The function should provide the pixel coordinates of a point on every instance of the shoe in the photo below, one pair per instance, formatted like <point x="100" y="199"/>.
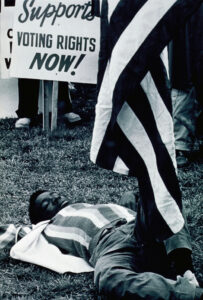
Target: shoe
<point x="72" y="117"/>
<point x="181" y="158"/>
<point x="23" y="123"/>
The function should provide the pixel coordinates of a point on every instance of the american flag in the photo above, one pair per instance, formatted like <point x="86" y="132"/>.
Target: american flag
<point x="133" y="130"/>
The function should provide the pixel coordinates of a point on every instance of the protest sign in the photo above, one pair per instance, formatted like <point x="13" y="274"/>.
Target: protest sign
<point x="7" y="7"/>
<point x="55" y="40"/>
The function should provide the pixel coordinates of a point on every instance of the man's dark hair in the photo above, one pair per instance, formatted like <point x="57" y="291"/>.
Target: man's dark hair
<point x="35" y="215"/>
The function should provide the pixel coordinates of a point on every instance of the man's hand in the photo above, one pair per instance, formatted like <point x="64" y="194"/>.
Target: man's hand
<point x="7" y="239"/>
<point x="191" y="278"/>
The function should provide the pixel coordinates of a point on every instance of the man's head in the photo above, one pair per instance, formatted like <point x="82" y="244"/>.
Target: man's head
<point x="44" y="205"/>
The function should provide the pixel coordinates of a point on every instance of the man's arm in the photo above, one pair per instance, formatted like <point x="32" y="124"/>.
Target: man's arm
<point x="9" y="235"/>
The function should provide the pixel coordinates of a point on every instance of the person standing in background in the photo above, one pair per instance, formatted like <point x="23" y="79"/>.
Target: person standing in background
<point x="27" y="112"/>
<point x="186" y="74"/>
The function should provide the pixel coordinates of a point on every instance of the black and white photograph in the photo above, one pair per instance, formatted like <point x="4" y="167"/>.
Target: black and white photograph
<point x="101" y="149"/>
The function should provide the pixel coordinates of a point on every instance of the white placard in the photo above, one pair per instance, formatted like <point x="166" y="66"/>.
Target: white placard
<point x="7" y="14"/>
<point x="55" y="40"/>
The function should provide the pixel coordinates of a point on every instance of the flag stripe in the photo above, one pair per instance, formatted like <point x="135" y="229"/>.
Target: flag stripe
<point x="123" y="212"/>
<point x="164" y="121"/>
<point x="145" y="19"/>
<point x="159" y="75"/>
<point x="120" y="166"/>
<point x="129" y="9"/>
<point x="68" y="233"/>
<point x="137" y="65"/>
<point x="165" y="203"/>
<point x="157" y="226"/>
<point x="143" y="113"/>
<point x="109" y="146"/>
<point x="97" y="218"/>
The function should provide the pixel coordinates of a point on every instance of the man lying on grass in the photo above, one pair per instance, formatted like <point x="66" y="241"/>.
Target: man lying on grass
<point x="127" y="263"/>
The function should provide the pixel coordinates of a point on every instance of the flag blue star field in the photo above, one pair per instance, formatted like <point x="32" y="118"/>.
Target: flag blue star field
<point x="133" y="129"/>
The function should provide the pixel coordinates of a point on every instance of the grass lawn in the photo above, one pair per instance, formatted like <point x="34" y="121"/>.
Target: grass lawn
<point x="31" y="160"/>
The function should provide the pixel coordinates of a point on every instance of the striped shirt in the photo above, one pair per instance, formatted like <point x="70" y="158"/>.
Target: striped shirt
<point x="73" y="228"/>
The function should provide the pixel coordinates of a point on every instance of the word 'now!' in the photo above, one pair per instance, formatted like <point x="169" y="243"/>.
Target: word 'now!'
<point x="51" y="62"/>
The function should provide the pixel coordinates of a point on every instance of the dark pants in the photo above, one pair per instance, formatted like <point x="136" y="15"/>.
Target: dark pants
<point x="125" y="269"/>
<point x="28" y="90"/>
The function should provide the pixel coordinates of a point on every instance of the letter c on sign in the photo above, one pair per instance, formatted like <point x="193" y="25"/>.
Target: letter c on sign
<point x="10" y="33"/>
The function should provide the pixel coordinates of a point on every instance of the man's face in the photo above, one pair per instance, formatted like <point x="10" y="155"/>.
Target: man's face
<point x="49" y="204"/>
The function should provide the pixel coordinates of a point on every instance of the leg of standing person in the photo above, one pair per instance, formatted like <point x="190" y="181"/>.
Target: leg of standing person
<point x="65" y="104"/>
<point x="184" y="116"/>
<point x="28" y="90"/>
<point x="199" y="95"/>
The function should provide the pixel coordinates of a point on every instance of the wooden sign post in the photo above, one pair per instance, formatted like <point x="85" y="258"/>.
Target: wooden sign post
<point x="54" y="104"/>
